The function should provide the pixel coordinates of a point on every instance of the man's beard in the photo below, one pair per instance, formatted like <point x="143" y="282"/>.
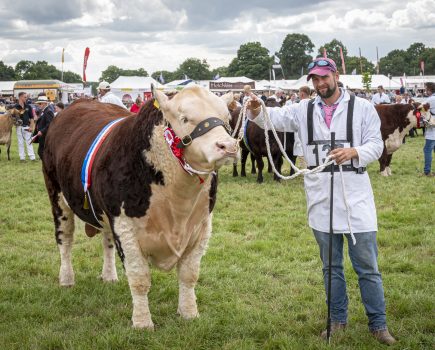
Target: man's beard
<point x="328" y="92"/>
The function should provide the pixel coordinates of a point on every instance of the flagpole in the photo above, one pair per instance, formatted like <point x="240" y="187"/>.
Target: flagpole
<point x="63" y="59"/>
<point x="377" y="60"/>
<point x="360" y="61"/>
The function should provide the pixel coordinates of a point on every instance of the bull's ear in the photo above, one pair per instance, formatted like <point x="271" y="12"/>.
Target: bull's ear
<point x="228" y="98"/>
<point x="160" y="97"/>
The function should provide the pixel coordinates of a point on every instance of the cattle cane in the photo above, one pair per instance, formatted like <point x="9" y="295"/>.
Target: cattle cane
<point x="331" y="232"/>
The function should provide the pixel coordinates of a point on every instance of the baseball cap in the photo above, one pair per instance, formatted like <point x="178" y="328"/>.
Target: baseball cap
<point x="321" y="66"/>
<point x="104" y="85"/>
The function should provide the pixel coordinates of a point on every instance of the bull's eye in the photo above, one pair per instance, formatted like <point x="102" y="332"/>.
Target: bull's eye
<point x="184" y="120"/>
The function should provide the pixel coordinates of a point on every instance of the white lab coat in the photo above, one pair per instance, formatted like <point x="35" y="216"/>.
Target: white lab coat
<point x="109" y="97"/>
<point x="378" y="99"/>
<point x="368" y="143"/>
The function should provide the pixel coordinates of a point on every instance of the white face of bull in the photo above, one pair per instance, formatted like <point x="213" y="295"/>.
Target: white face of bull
<point x="185" y="111"/>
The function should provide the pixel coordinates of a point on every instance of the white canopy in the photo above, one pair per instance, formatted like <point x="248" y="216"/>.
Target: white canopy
<point x="128" y="88"/>
<point x="354" y="82"/>
<point x="7" y="87"/>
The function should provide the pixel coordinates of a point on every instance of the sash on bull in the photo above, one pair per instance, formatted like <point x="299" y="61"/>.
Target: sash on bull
<point x="138" y="193"/>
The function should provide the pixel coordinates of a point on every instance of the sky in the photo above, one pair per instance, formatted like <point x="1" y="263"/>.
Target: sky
<point x="161" y="34"/>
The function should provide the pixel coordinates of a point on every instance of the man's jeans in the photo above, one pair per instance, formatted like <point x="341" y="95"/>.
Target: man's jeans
<point x="363" y="256"/>
<point x="429" y="148"/>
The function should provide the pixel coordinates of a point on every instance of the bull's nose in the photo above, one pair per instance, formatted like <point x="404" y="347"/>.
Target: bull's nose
<point x="227" y="146"/>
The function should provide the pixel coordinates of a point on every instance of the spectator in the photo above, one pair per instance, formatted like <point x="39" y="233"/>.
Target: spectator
<point x="380" y="97"/>
<point x="107" y="96"/>
<point x="135" y="107"/>
<point x="429" y="146"/>
<point x="42" y="123"/>
<point x="24" y="132"/>
<point x="59" y="107"/>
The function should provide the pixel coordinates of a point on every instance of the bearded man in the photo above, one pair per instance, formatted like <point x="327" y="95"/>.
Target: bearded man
<point x="358" y="140"/>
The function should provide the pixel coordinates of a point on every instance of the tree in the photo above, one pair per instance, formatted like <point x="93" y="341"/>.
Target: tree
<point x="414" y="55"/>
<point x="42" y="70"/>
<point x="354" y="62"/>
<point x="333" y="51"/>
<point x="112" y="73"/>
<point x="428" y="56"/>
<point x="252" y="61"/>
<point x="167" y="76"/>
<point x="221" y="71"/>
<point x="395" y="63"/>
<point x="367" y="81"/>
<point x="71" y="77"/>
<point x="21" y="68"/>
<point x="294" y="54"/>
<point x="6" y="72"/>
<point x="194" y="69"/>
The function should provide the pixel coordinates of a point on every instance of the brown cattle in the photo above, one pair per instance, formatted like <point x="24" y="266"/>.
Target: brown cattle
<point x="7" y="121"/>
<point x="396" y="121"/>
<point x="140" y="197"/>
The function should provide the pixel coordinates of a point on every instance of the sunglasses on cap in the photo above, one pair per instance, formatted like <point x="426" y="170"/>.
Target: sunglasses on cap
<point x="321" y="63"/>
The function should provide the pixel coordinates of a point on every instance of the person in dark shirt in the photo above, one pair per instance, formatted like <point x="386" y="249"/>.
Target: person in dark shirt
<point x="24" y="132"/>
<point x="42" y="123"/>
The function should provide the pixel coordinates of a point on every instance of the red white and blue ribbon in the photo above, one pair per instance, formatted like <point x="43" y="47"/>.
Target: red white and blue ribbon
<point x="93" y="150"/>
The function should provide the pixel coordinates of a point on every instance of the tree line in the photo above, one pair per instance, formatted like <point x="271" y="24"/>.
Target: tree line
<point x="253" y="61"/>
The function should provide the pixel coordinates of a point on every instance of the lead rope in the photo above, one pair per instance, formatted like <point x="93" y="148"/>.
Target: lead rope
<point x="298" y="171"/>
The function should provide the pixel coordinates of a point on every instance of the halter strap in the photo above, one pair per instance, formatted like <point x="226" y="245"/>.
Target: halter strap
<point x="202" y="128"/>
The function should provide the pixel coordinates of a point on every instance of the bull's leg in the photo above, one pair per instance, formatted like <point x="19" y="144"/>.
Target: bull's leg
<point x="383" y="162"/>
<point x="388" y="169"/>
<point x="235" y="172"/>
<point x="253" y="170"/>
<point x="277" y="161"/>
<point x="109" y="273"/>
<point x="8" y="149"/>
<point x="137" y="271"/>
<point x="188" y="273"/>
<point x="64" y="230"/>
<point x="260" y="164"/>
<point x="269" y="167"/>
<point x="245" y="154"/>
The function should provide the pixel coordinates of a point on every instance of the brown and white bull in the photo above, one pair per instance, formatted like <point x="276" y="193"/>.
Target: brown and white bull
<point x="396" y="121"/>
<point x="146" y="204"/>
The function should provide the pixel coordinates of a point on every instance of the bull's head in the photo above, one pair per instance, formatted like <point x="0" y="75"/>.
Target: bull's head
<point x="15" y="114"/>
<point x="200" y="119"/>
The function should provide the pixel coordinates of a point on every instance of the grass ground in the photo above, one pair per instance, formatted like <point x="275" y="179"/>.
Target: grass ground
<point x="260" y="285"/>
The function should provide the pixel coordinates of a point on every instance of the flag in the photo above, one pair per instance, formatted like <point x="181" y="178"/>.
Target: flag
<point x="273" y="74"/>
<point x="324" y="53"/>
<point x="186" y="77"/>
<point x="217" y="76"/>
<point x="422" y="66"/>
<point x="85" y="62"/>
<point x="63" y="55"/>
<point x="161" y="79"/>
<point x="302" y="71"/>
<point x="377" y="61"/>
<point x="277" y="60"/>
<point x="354" y="71"/>
<point x="342" y="60"/>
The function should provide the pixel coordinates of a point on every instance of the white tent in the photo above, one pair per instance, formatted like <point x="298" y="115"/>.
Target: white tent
<point x="354" y="82"/>
<point x="7" y="87"/>
<point x="128" y="88"/>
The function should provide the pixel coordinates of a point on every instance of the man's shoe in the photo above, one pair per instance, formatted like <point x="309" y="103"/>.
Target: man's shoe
<point x="335" y="327"/>
<point x="384" y="337"/>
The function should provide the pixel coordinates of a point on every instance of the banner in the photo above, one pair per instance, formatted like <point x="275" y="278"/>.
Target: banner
<point x="422" y="66"/>
<point x="277" y="60"/>
<point x="63" y="55"/>
<point x="85" y="62"/>
<point x="324" y="53"/>
<point x="342" y="60"/>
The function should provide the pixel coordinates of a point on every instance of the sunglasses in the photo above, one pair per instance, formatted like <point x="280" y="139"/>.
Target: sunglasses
<point x="321" y="63"/>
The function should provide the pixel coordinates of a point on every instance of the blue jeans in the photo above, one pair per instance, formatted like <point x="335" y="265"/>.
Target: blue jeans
<point x="429" y="148"/>
<point x="363" y="256"/>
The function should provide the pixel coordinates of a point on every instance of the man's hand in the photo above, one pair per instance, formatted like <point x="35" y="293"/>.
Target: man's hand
<point x="341" y="155"/>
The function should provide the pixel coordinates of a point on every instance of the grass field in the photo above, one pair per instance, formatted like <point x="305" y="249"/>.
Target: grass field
<point x="260" y="285"/>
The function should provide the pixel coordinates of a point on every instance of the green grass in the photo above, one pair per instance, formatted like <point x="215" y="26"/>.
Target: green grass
<point x="260" y="285"/>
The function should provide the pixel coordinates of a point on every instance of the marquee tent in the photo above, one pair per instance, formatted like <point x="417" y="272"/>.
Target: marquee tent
<point x="128" y="88"/>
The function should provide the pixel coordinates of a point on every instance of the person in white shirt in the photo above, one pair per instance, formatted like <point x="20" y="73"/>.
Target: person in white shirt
<point x="429" y="146"/>
<point x="359" y="142"/>
<point x="107" y="96"/>
<point x="380" y="97"/>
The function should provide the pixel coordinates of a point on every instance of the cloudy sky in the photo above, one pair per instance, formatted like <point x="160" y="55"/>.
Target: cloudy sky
<point x="161" y="34"/>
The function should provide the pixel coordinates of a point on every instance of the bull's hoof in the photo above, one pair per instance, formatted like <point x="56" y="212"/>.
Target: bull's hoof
<point x="389" y="172"/>
<point x="143" y="324"/>
<point x="384" y="173"/>
<point x="109" y="279"/>
<point x="64" y="284"/>
<point x="66" y="279"/>
<point x="188" y="314"/>
<point x="260" y="180"/>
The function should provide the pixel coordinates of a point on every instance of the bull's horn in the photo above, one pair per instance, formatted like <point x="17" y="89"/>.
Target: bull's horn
<point x="160" y="97"/>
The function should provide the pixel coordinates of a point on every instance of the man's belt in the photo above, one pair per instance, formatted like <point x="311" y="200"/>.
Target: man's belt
<point x="344" y="167"/>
